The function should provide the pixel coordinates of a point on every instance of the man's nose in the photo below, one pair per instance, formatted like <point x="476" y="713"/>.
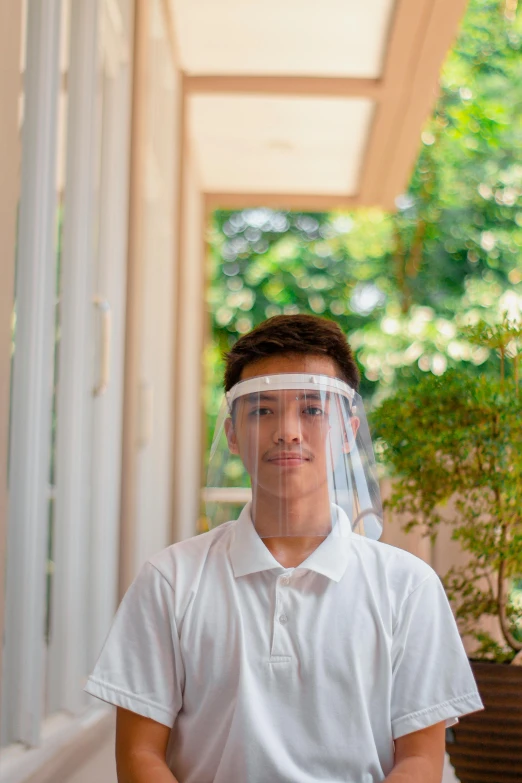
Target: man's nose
<point x="288" y="429"/>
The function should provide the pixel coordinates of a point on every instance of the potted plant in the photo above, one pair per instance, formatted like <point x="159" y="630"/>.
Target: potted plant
<point x="459" y="437"/>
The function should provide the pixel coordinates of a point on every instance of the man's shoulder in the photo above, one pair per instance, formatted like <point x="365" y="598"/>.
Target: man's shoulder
<point x="387" y="553"/>
<point x="188" y="556"/>
<point x="401" y="570"/>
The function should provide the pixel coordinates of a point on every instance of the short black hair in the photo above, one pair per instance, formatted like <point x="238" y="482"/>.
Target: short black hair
<point x="291" y="335"/>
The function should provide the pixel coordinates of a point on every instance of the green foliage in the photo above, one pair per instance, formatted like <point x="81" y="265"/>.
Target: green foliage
<point x="502" y="338"/>
<point x="460" y="437"/>
<point x="402" y="285"/>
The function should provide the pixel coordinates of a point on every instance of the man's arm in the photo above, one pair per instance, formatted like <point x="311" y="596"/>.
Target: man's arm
<point x="419" y="756"/>
<point x="141" y="744"/>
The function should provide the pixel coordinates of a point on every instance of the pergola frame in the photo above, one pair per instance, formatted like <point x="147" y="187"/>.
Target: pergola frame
<point x="420" y="35"/>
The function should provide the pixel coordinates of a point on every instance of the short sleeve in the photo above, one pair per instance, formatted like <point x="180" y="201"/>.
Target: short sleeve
<point x="432" y="677"/>
<point x="140" y="666"/>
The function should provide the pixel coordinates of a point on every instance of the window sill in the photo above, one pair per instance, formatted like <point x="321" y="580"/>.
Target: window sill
<point x="67" y="743"/>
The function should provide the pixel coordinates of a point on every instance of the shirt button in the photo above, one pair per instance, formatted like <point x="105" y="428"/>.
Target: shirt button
<point x="285" y="580"/>
<point x="283" y="619"/>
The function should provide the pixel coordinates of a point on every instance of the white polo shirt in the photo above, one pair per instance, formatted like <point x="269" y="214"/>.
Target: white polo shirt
<point x="285" y="675"/>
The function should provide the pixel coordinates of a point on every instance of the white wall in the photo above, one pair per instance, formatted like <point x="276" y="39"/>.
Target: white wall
<point x="157" y="349"/>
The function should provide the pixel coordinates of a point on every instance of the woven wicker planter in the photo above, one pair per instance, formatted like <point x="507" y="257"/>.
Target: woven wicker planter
<point x="486" y="747"/>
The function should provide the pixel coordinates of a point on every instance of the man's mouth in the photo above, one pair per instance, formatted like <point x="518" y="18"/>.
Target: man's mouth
<point x="288" y="459"/>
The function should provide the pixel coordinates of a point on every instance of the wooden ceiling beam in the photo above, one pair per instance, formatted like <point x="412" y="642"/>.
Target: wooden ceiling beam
<point x="408" y="28"/>
<point x="303" y="86"/>
<point x="170" y="25"/>
<point x="442" y="26"/>
<point x="421" y="33"/>
<point x="309" y="202"/>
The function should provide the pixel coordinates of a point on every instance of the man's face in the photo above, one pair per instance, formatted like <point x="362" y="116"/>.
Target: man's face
<point x="287" y="439"/>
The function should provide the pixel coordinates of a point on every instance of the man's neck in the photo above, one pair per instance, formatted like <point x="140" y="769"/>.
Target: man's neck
<point x="291" y="551"/>
<point x="291" y="529"/>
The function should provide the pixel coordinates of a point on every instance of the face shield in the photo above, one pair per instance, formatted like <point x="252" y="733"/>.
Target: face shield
<point x="299" y="447"/>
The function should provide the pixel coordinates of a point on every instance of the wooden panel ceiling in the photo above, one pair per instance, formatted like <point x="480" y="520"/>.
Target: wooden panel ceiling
<point x="276" y="37"/>
<point x="405" y="42"/>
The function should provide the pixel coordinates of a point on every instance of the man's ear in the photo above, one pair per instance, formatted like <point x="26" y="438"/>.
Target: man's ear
<point x="231" y="436"/>
<point x="354" y="424"/>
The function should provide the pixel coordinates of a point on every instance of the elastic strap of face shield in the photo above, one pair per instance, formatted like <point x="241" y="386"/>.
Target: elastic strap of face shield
<point x="366" y="509"/>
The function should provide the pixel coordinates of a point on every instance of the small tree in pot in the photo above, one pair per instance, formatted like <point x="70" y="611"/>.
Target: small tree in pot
<point x="460" y="437"/>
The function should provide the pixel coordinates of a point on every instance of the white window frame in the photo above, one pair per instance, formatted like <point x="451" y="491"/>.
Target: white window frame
<point x="10" y="50"/>
<point x="110" y="287"/>
<point x="67" y="663"/>
<point x="22" y="692"/>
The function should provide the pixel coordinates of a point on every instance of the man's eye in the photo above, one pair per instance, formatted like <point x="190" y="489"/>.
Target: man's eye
<point x="314" y="410"/>
<point x="260" y="412"/>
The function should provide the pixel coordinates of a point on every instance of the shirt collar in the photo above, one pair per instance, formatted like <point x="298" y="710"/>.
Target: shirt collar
<point x="249" y="555"/>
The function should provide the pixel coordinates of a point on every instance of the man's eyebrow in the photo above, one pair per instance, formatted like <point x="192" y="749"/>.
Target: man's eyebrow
<point x="315" y="395"/>
<point x="261" y="397"/>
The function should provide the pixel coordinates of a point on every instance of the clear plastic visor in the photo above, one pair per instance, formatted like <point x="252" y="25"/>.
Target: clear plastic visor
<point x="299" y="447"/>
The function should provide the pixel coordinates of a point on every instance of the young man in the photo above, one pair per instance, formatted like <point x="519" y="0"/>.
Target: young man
<point x="284" y="647"/>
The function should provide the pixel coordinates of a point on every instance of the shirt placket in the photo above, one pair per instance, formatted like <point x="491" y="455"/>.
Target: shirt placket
<point x="281" y="647"/>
